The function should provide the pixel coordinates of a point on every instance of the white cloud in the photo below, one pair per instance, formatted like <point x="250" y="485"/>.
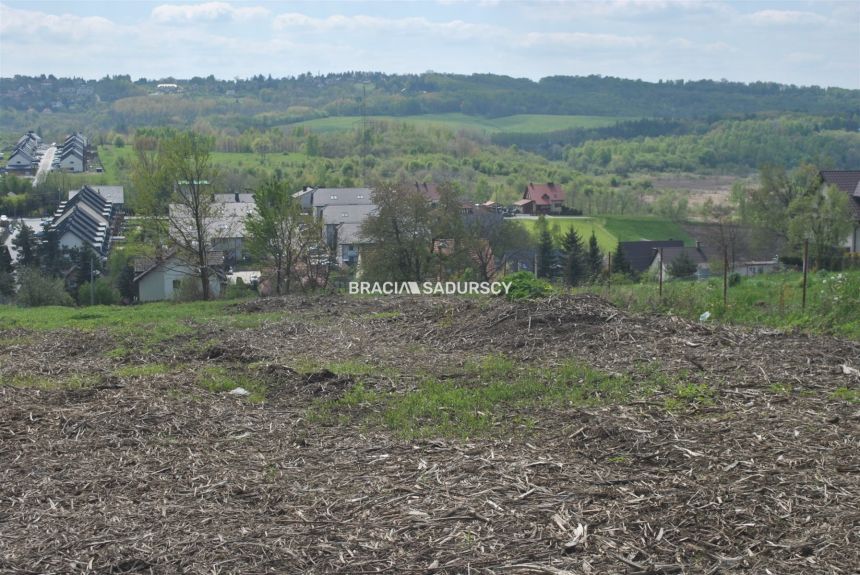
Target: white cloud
<point x="208" y="11"/>
<point x="457" y="29"/>
<point x="34" y="27"/>
<point x="783" y="18"/>
<point x="581" y="39"/>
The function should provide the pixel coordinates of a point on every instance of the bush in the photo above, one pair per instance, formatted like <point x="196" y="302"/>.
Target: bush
<point x="37" y="290"/>
<point x="103" y="293"/>
<point x="525" y="286"/>
<point x="190" y="289"/>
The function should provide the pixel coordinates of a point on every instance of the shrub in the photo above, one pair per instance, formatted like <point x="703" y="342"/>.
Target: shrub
<point x="37" y="290"/>
<point x="525" y="286"/>
<point x="103" y="293"/>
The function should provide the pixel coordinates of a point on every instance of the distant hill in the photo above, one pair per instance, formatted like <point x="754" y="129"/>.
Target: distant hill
<point x="275" y="101"/>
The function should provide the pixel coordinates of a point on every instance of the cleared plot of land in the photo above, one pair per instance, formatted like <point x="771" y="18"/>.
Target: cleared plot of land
<point x="521" y="123"/>
<point x="424" y="435"/>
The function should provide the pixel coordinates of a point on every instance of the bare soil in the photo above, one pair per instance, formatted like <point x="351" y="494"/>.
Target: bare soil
<point x="152" y="474"/>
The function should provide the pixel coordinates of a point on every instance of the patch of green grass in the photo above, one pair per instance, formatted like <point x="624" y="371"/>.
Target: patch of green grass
<point x="558" y="226"/>
<point x="222" y="380"/>
<point x="767" y="299"/>
<point x="634" y="228"/>
<point x="481" y="401"/>
<point x="44" y="382"/>
<point x="846" y="394"/>
<point x="780" y="388"/>
<point x="145" y="370"/>
<point x="688" y="395"/>
<point x="520" y="123"/>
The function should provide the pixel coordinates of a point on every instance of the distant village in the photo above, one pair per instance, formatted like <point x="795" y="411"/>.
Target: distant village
<point x="94" y="218"/>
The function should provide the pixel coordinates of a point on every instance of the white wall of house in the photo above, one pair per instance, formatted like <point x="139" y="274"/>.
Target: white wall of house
<point x="163" y="283"/>
<point x="72" y="164"/>
<point x="852" y="242"/>
<point x="70" y="241"/>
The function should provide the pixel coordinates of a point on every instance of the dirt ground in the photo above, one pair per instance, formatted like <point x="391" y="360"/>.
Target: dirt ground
<point x="152" y="474"/>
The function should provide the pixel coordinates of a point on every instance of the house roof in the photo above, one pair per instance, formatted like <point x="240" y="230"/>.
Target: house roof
<point x="429" y="191"/>
<point x="351" y="214"/>
<point x="695" y="254"/>
<point x="523" y="202"/>
<point x="87" y="216"/>
<point x="640" y="254"/>
<point x="849" y="182"/>
<point x="225" y="221"/>
<point x="113" y="194"/>
<point x="544" y="194"/>
<point x="342" y="196"/>
<point x="146" y="265"/>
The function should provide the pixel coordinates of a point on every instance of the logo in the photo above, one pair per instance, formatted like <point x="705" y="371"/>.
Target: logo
<point x="429" y="288"/>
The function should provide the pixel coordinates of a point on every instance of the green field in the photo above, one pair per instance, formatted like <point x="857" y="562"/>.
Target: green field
<point x="521" y="123"/>
<point x="610" y="230"/>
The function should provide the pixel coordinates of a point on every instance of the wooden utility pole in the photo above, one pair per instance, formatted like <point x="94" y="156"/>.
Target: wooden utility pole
<point x="661" y="273"/>
<point x="805" y="270"/>
<point x="725" y="277"/>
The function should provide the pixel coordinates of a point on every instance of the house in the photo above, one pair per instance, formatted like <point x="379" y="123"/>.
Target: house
<point x="225" y="225"/>
<point x="670" y="254"/>
<point x="752" y="268"/>
<point x="429" y="191"/>
<point x="343" y="211"/>
<point x="71" y="155"/>
<point x="86" y="219"/>
<point x="25" y="154"/>
<point x="525" y="206"/>
<point x="160" y="278"/>
<point x="639" y="255"/>
<point x="548" y="198"/>
<point x="847" y="181"/>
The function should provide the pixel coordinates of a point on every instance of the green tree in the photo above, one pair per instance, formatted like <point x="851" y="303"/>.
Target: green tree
<point x="279" y="234"/>
<point x="824" y="218"/>
<point x="5" y="260"/>
<point x="682" y="267"/>
<point x="194" y="219"/>
<point x="620" y="265"/>
<point x="400" y="232"/>
<point x="51" y="254"/>
<point x="26" y="245"/>
<point x="546" y="260"/>
<point x="594" y="258"/>
<point x="575" y="271"/>
<point x="37" y="289"/>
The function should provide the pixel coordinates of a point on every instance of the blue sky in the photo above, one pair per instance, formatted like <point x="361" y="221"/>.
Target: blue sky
<point x="802" y="42"/>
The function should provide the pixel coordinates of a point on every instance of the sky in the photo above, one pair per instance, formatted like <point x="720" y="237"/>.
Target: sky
<point x="800" y="42"/>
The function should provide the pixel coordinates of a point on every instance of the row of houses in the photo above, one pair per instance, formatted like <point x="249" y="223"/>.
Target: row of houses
<point x="26" y="153"/>
<point x="91" y="217"/>
<point x="71" y="155"/>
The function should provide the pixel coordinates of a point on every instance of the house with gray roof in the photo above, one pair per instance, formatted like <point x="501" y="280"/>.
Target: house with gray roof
<point x="25" y="154"/>
<point x="85" y="220"/>
<point x="848" y="181"/>
<point x="343" y="211"/>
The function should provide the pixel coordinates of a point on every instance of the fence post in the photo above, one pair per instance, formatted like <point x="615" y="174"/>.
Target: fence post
<point x="609" y="273"/>
<point x="661" y="275"/>
<point x="805" y="270"/>
<point x="725" y="278"/>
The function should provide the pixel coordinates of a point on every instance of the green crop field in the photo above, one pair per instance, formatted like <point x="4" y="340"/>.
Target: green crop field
<point x="522" y="123"/>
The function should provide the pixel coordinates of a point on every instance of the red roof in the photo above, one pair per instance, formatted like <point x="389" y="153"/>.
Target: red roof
<point x="523" y="202"/>
<point x="544" y="194"/>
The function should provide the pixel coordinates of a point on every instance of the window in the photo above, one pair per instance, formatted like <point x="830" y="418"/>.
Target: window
<point x="333" y="197"/>
<point x="176" y="284"/>
<point x="359" y="197"/>
<point x="344" y="214"/>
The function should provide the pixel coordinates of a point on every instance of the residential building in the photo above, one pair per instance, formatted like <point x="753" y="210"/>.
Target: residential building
<point x="666" y="256"/>
<point x="548" y="198"/>
<point x="25" y="155"/>
<point x="848" y="181"/>
<point x="71" y="155"/>
<point x="161" y="277"/>
<point x="86" y="219"/>
<point x="639" y="255"/>
<point x="343" y="211"/>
